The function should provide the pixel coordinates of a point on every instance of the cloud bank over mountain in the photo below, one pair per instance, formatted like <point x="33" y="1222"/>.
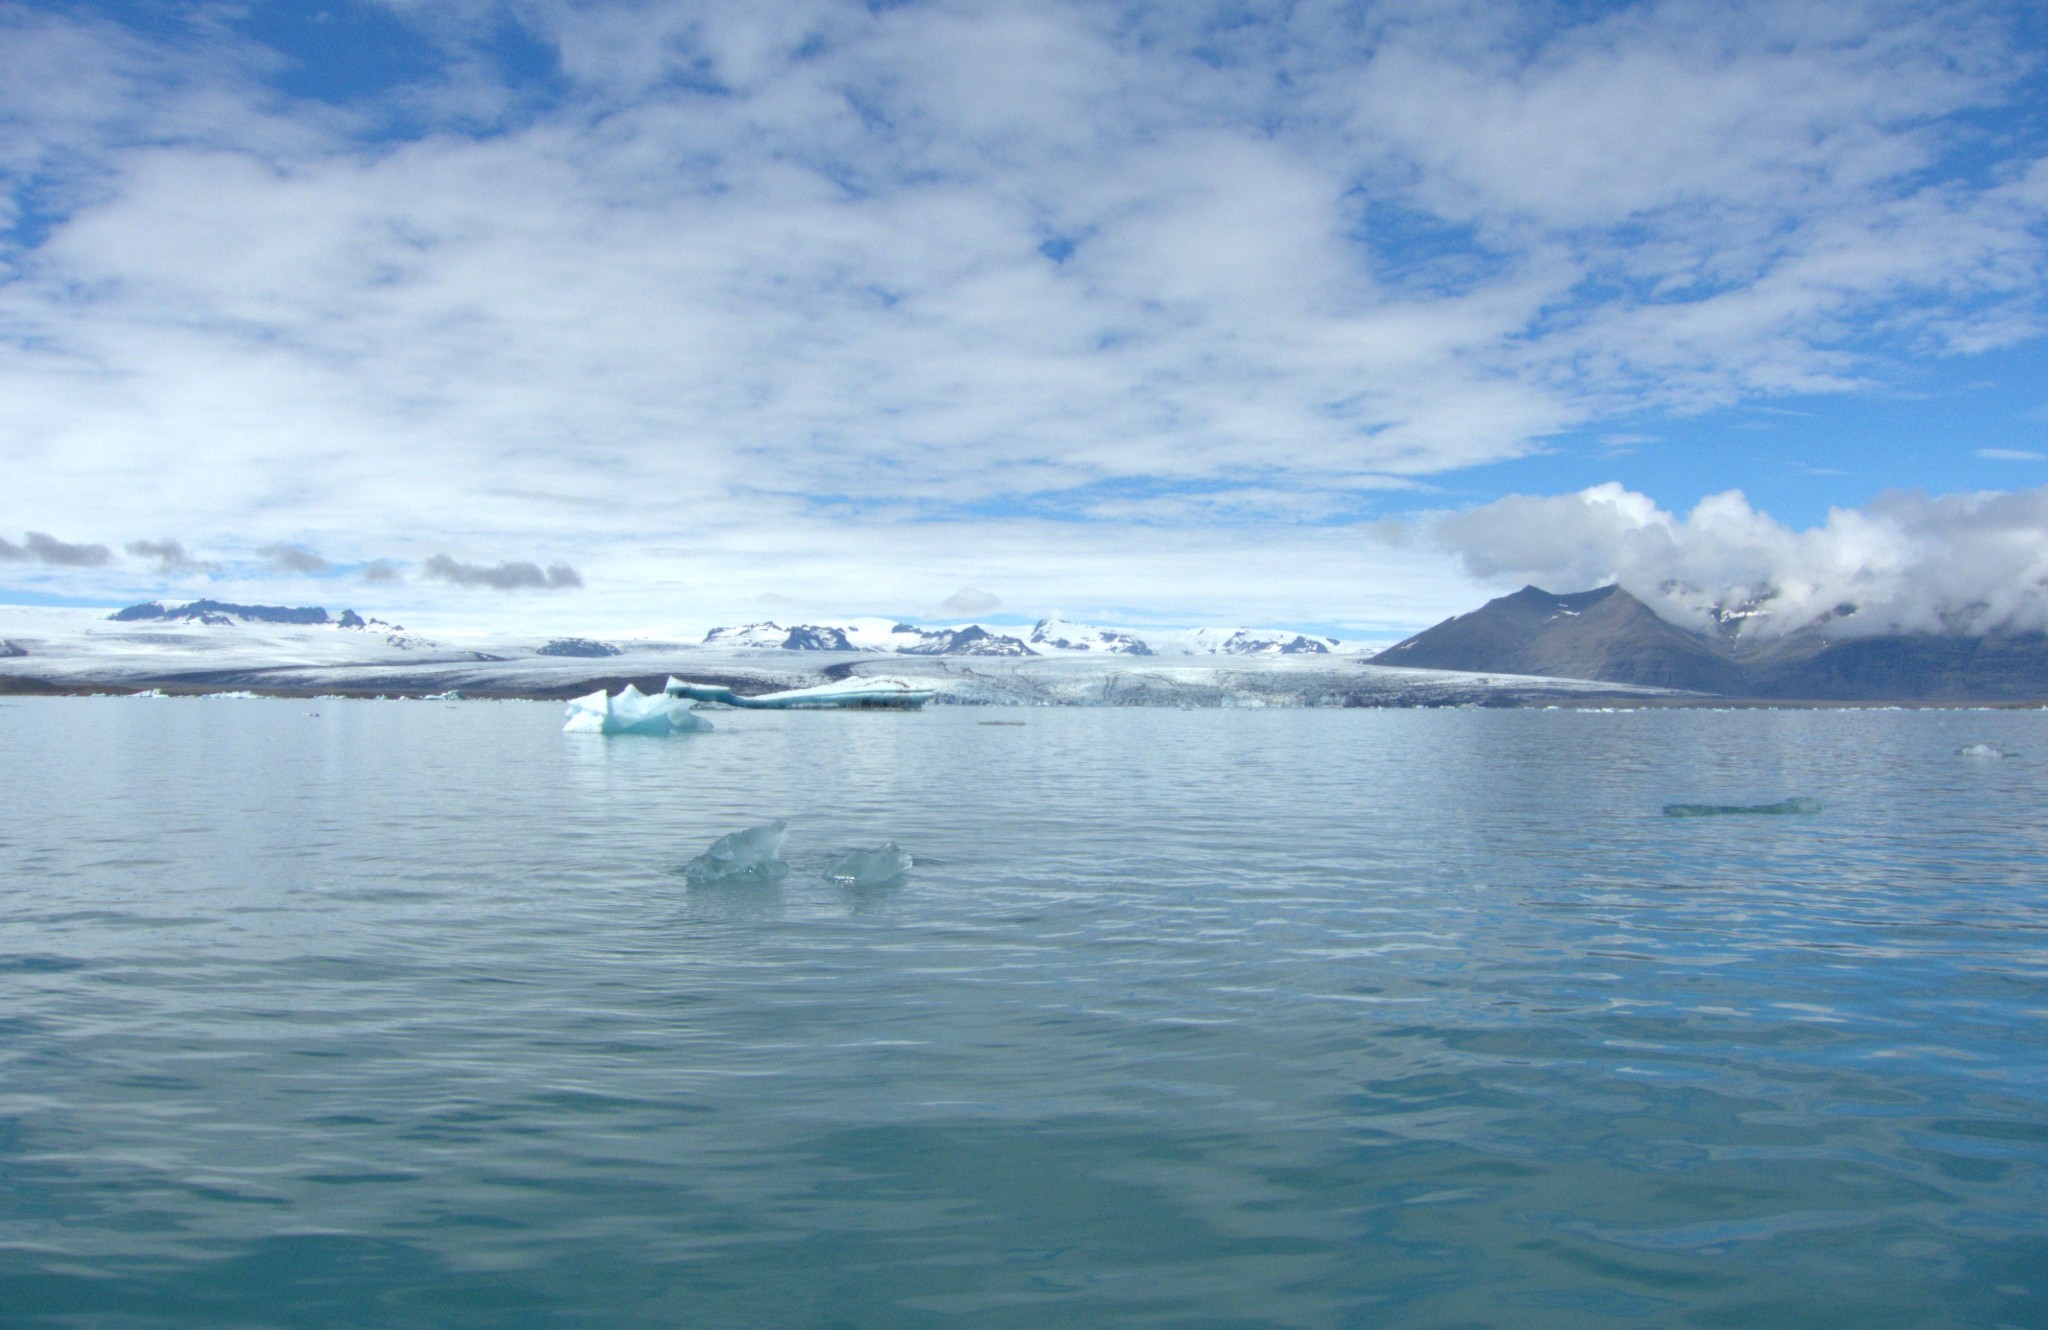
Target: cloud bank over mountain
<point x="1905" y="563"/>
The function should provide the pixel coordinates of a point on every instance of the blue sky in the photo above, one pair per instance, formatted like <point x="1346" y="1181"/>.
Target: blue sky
<point x="1149" y="314"/>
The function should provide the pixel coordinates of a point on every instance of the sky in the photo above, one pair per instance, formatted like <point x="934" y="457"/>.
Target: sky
<point x="622" y="317"/>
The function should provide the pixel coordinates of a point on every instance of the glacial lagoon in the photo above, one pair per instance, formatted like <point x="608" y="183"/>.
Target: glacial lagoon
<point x="404" y="1014"/>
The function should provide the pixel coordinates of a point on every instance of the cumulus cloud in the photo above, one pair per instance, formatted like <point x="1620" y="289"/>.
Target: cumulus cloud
<point x="381" y="572"/>
<point x="1906" y="562"/>
<point x="170" y="557"/>
<point x="968" y="600"/>
<point x="41" y="547"/>
<point x="501" y="576"/>
<point x="293" y="559"/>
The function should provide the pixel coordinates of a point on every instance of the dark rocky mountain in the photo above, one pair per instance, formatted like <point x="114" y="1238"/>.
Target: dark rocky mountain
<point x="1609" y="635"/>
<point x="12" y="649"/>
<point x="220" y="612"/>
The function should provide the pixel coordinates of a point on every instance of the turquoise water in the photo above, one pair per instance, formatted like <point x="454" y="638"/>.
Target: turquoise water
<point x="399" y="1015"/>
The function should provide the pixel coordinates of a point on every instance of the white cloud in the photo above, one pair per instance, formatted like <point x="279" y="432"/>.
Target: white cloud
<point x="2011" y="455"/>
<point x="841" y="270"/>
<point x="1907" y="562"/>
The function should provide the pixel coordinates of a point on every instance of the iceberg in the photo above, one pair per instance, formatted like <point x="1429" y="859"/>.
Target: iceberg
<point x="1982" y="750"/>
<point x="631" y="712"/>
<point x="1782" y="808"/>
<point x="879" y="867"/>
<point x="742" y="858"/>
<point x="882" y="694"/>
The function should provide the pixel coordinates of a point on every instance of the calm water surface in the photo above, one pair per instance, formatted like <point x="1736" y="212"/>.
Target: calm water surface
<point x="361" y="1014"/>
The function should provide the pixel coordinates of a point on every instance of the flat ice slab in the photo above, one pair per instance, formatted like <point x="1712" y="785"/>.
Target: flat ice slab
<point x="885" y="694"/>
<point x="1783" y="808"/>
<point x="631" y="712"/>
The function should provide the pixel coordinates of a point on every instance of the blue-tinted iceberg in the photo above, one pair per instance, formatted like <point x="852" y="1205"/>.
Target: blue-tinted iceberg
<point x="631" y="712"/>
<point x="879" y="867"/>
<point x="742" y="858"/>
<point x="1787" y="807"/>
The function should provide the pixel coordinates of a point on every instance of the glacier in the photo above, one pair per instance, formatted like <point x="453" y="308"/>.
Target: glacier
<point x="742" y="858"/>
<point x="632" y="712"/>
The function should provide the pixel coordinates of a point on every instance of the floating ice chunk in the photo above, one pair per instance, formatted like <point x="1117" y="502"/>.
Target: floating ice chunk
<point x="631" y="712"/>
<point x="857" y="694"/>
<point x="741" y="858"/>
<point x="879" y="867"/>
<point x="1983" y="750"/>
<point x="1782" y="808"/>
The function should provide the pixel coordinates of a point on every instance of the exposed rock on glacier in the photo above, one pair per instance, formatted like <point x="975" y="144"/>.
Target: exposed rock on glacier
<point x="742" y="858"/>
<point x="631" y="712"/>
<point x="578" y="647"/>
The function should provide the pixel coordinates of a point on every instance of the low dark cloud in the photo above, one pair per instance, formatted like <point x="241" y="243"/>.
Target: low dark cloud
<point x="503" y="576"/>
<point x="41" y="547"/>
<point x="380" y="572"/>
<point x="293" y="559"/>
<point x="171" y="557"/>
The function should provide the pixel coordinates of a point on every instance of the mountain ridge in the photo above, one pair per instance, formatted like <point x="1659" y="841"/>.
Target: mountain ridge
<point x="1607" y="635"/>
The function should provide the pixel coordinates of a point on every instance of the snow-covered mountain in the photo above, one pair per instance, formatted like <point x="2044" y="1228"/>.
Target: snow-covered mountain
<point x="1048" y="637"/>
<point x="1250" y="642"/>
<point x="1058" y="635"/>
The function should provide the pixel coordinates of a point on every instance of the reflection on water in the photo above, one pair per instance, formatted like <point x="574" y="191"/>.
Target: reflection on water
<point x="399" y="1014"/>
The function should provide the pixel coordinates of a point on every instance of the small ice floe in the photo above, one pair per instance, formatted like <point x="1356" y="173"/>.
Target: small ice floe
<point x="854" y="694"/>
<point x="1783" y="808"/>
<point x="150" y="692"/>
<point x="742" y="858"/>
<point x="1983" y="750"/>
<point x="238" y="695"/>
<point x="882" y="866"/>
<point x="452" y="695"/>
<point x="631" y="712"/>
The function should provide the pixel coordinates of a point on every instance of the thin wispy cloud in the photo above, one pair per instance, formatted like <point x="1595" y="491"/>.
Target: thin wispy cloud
<point x="293" y="559"/>
<point x="170" y="557"/>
